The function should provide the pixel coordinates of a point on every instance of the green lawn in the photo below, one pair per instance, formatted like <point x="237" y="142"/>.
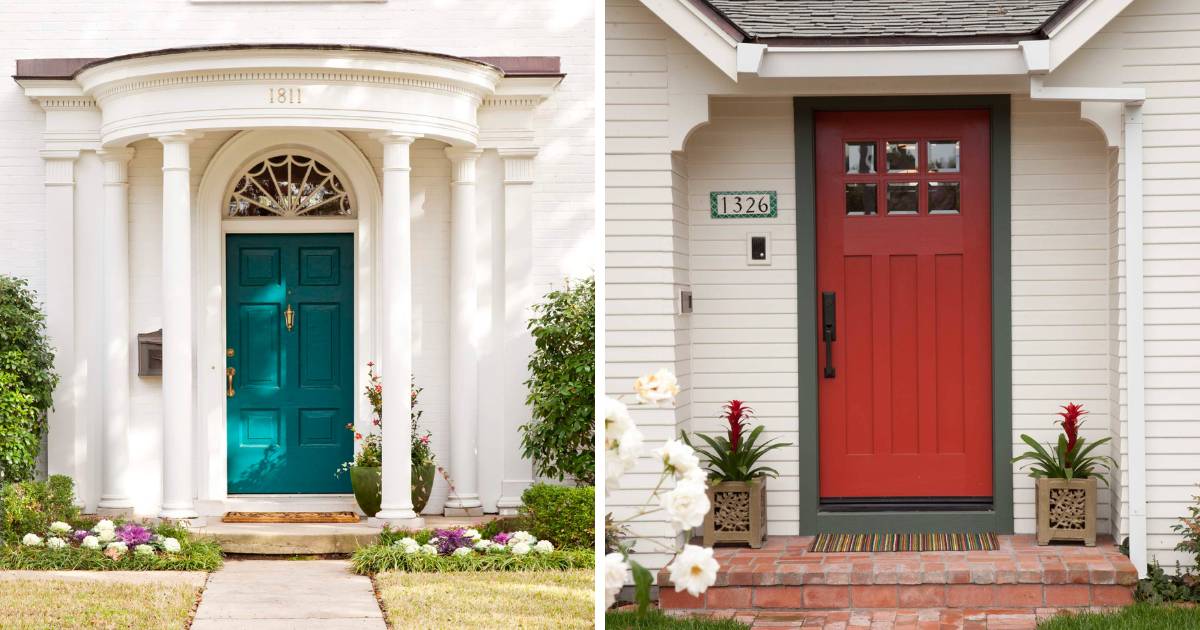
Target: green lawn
<point x="541" y="600"/>
<point x="654" y="619"/>
<point x="56" y="604"/>
<point x="1136" y="617"/>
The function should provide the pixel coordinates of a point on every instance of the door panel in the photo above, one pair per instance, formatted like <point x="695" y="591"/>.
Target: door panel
<point x="293" y="390"/>
<point x="903" y="240"/>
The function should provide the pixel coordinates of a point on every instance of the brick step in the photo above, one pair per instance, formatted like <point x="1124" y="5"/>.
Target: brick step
<point x="897" y="619"/>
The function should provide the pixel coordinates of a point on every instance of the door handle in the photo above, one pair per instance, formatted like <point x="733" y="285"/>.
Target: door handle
<point x="829" y="329"/>
<point x="229" y="372"/>
<point x="289" y="317"/>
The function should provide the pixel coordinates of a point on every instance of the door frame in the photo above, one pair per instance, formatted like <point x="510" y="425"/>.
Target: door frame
<point x="812" y="519"/>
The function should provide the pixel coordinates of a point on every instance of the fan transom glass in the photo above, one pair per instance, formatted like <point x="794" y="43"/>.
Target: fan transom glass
<point x="289" y="185"/>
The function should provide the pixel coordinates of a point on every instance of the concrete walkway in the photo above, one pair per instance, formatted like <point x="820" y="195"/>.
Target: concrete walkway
<point x="287" y="594"/>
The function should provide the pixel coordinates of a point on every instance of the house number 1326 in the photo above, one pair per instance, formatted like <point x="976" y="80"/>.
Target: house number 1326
<point x="284" y="96"/>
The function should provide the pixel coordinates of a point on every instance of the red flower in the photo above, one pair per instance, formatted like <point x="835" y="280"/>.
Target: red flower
<point x="370" y="364"/>
<point x="736" y="413"/>
<point x="425" y="440"/>
<point x="358" y="436"/>
<point x="1072" y="415"/>
<point x="379" y="389"/>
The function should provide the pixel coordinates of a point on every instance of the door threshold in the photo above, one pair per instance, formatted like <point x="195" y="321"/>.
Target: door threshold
<point x="907" y="504"/>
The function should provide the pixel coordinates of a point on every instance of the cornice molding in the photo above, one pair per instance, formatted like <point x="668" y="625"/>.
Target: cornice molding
<point x="125" y="86"/>
<point x="66" y="103"/>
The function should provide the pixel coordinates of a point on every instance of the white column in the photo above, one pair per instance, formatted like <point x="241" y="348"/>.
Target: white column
<point x="114" y="492"/>
<point x="396" y="334"/>
<point x="63" y="435"/>
<point x="519" y="296"/>
<point x="464" y="351"/>
<point x="178" y="410"/>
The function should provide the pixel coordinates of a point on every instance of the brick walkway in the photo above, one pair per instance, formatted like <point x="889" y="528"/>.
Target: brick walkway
<point x="786" y="585"/>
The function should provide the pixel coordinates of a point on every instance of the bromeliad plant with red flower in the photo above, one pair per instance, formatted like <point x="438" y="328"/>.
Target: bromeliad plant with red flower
<point x="735" y="455"/>
<point x="369" y="453"/>
<point x="1071" y="457"/>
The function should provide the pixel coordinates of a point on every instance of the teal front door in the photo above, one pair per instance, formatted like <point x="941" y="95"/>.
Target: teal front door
<point x="290" y="361"/>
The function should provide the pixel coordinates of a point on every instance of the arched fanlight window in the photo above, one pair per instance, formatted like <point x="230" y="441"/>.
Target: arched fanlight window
<point x="289" y="185"/>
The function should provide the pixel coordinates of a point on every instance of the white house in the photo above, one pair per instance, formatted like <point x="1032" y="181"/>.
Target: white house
<point x="290" y="191"/>
<point x="994" y="206"/>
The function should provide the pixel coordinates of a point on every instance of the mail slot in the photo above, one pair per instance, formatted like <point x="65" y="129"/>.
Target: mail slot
<point x="150" y="353"/>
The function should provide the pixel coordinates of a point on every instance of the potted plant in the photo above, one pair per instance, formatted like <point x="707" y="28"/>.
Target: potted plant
<point x="737" y="486"/>
<point x="1066" y="475"/>
<point x="366" y="471"/>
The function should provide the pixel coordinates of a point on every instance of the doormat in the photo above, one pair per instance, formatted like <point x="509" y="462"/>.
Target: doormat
<point x="289" y="517"/>
<point x="835" y="543"/>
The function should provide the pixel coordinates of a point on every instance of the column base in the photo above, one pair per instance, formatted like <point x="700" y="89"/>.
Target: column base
<point x="191" y="522"/>
<point x="462" y="511"/>
<point x="509" y="506"/>
<point x="463" y="505"/>
<point x="397" y="519"/>
<point x="114" y="512"/>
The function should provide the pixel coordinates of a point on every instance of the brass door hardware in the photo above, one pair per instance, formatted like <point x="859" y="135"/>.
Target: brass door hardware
<point x="229" y="372"/>
<point x="229" y="352"/>
<point x="289" y="317"/>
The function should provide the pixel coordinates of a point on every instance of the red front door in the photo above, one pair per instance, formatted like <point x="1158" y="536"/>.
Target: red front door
<point x="904" y="278"/>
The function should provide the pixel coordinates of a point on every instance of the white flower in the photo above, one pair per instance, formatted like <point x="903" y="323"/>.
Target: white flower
<point x="622" y="459"/>
<point x="473" y="534"/>
<point x="143" y="550"/>
<point x="497" y="548"/>
<point x="409" y="544"/>
<point x="59" y="527"/>
<point x="90" y="542"/>
<point x="170" y="545"/>
<point x="694" y="570"/>
<point x="615" y="569"/>
<point x="105" y="535"/>
<point x="544" y="546"/>
<point x="55" y="543"/>
<point x="462" y="551"/>
<point x="698" y="475"/>
<point x="483" y="545"/>
<point x="686" y="504"/>
<point x="31" y="540"/>
<point x="118" y="546"/>
<point x="616" y="422"/>
<point x="677" y="457"/>
<point x="104" y="525"/>
<point x="429" y="550"/>
<point x="657" y="388"/>
<point x="521" y="537"/>
<point x="520" y="549"/>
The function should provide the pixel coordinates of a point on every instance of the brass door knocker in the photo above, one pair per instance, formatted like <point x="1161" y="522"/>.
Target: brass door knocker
<point x="229" y="372"/>
<point x="289" y="317"/>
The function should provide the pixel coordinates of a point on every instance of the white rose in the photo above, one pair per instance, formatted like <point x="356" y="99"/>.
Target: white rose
<point x="90" y="542"/>
<point x="686" y="504"/>
<point x="520" y="549"/>
<point x="170" y="545"/>
<point x="657" y="388"/>
<point x="143" y="550"/>
<point x="694" y="570"/>
<point x="59" y="527"/>
<point x="31" y="540"/>
<point x="677" y="457"/>
<point x="104" y="525"/>
<point x="429" y="550"/>
<point x="622" y="460"/>
<point x="544" y="546"/>
<point x="55" y="543"/>
<point x="462" y="551"/>
<point x="473" y="534"/>
<point x="698" y="475"/>
<point x="615" y="569"/>
<point x="616" y="422"/>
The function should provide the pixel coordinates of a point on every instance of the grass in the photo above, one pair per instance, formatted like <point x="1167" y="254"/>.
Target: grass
<point x="53" y="604"/>
<point x="377" y="559"/>
<point x="655" y="619"/>
<point x="532" y="601"/>
<point x="1135" y="617"/>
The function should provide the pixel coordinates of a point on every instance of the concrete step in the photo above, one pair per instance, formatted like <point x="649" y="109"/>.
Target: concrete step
<point x="291" y="539"/>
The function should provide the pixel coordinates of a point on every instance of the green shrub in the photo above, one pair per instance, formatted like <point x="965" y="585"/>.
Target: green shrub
<point x="654" y="620"/>
<point x="560" y="438"/>
<point x="564" y="515"/>
<point x="30" y="506"/>
<point x="27" y="380"/>
<point x="379" y="558"/>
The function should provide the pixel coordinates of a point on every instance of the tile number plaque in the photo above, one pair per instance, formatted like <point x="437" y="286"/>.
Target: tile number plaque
<point x="744" y="204"/>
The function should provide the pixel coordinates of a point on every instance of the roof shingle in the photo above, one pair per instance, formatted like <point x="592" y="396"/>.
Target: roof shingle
<point x="854" y="19"/>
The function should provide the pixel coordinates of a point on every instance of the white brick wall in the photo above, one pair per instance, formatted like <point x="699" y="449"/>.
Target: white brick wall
<point x="563" y="192"/>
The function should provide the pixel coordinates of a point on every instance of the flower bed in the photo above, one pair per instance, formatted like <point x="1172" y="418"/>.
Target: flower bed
<point x="464" y="549"/>
<point x="108" y="546"/>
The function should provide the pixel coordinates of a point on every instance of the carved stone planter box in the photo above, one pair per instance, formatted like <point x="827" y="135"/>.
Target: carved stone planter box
<point x="1066" y="510"/>
<point x="738" y="514"/>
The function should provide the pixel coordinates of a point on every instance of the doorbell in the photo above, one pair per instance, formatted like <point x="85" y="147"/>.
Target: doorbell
<point x="758" y="249"/>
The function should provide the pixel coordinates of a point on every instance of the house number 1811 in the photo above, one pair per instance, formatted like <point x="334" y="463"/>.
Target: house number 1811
<point x="284" y="96"/>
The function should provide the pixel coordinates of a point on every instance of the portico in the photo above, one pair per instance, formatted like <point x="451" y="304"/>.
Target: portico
<point x="368" y="121"/>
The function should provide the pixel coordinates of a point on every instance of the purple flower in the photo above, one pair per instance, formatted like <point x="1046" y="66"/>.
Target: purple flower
<point x="501" y="538"/>
<point x="133" y="535"/>
<point x="450" y="539"/>
<point x="79" y="535"/>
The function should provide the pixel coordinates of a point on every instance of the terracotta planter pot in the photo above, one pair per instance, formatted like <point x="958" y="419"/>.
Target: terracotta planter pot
<point x="738" y="514"/>
<point x="367" y="483"/>
<point x="1066" y="510"/>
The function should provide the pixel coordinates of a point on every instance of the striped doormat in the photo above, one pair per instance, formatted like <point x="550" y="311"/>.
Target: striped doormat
<point x="289" y="517"/>
<point x="835" y="543"/>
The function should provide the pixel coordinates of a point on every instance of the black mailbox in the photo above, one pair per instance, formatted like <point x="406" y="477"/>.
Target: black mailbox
<point x="150" y="353"/>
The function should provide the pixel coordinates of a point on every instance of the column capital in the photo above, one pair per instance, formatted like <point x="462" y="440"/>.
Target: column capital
<point x="60" y="166"/>
<point x="116" y="164"/>
<point x="518" y="165"/>
<point x="116" y="154"/>
<point x="178" y="137"/>
<point x="462" y="164"/>
<point x="395" y="137"/>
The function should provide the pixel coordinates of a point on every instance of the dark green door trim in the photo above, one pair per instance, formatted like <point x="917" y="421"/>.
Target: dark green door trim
<point x="1000" y="518"/>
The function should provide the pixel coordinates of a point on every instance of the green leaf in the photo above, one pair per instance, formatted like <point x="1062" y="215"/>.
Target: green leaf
<point x="641" y="582"/>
